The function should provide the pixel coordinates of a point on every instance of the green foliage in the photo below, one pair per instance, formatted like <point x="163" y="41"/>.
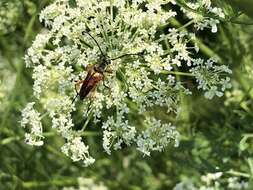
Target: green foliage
<point x="217" y="134"/>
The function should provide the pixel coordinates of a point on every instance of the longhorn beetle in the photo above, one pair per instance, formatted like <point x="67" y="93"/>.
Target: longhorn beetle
<point x="96" y="72"/>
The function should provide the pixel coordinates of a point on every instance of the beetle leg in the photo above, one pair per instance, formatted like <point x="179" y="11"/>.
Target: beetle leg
<point x="78" y="83"/>
<point x="105" y="84"/>
<point x="109" y="70"/>
<point x="77" y="93"/>
<point x="76" y="89"/>
<point x="74" y="98"/>
<point x="103" y="79"/>
<point x="89" y="67"/>
<point x="88" y="110"/>
<point x="92" y="94"/>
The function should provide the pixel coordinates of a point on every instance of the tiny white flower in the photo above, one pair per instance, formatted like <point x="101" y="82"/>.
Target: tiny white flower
<point x="77" y="150"/>
<point x="156" y="137"/>
<point x="31" y="121"/>
<point x="210" y="77"/>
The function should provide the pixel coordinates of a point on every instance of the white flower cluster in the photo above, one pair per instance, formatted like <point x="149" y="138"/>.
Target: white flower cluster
<point x="213" y="181"/>
<point x="133" y="85"/>
<point x="59" y="110"/>
<point x="31" y="118"/>
<point x="9" y="14"/>
<point x="211" y="77"/>
<point x="117" y="132"/>
<point x="199" y="12"/>
<point x="185" y="185"/>
<point x="157" y="137"/>
<point x="236" y="184"/>
<point x="77" y="150"/>
<point x="87" y="184"/>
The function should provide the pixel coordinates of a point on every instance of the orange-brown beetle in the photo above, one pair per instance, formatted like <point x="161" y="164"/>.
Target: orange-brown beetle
<point x="96" y="72"/>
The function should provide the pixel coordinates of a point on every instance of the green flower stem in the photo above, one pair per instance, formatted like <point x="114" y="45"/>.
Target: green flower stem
<point x="44" y="114"/>
<point x="56" y="152"/>
<point x="245" y="6"/>
<point x="111" y="27"/>
<point x="29" y="28"/>
<point x="175" y="73"/>
<point x="178" y="73"/>
<point x="182" y="4"/>
<point x="240" y="174"/>
<point x="104" y="33"/>
<point x="48" y="134"/>
<point x="135" y="109"/>
<point x="123" y="77"/>
<point x="29" y="31"/>
<point x="250" y="162"/>
<point x="90" y="133"/>
<point x="186" y="25"/>
<point x="9" y="140"/>
<point x="86" y="122"/>
<point x="184" y="115"/>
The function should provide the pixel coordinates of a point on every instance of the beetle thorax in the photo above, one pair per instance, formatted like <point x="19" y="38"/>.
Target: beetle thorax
<point x="101" y="65"/>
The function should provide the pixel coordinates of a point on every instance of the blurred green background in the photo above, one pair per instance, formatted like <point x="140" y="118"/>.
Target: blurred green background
<point x="216" y="134"/>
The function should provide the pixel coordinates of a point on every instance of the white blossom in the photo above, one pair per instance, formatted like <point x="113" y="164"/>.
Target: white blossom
<point x="236" y="184"/>
<point x="31" y="120"/>
<point x="200" y="20"/>
<point x="185" y="185"/>
<point x="213" y="181"/>
<point x="156" y="137"/>
<point x="117" y="132"/>
<point x="9" y="15"/>
<point x="208" y="178"/>
<point x="211" y="77"/>
<point x="132" y="85"/>
<point x="77" y="150"/>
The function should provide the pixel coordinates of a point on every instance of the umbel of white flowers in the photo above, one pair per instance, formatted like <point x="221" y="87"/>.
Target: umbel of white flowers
<point x="134" y="86"/>
<point x="9" y="14"/>
<point x="213" y="181"/>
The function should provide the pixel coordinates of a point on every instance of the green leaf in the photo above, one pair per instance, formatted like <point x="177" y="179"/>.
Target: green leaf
<point x="246" y="6"/>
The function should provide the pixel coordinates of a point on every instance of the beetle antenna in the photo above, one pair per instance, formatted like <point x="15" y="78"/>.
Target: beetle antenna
<point x="129" y="54"/>
<point x="95" y="42"/>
